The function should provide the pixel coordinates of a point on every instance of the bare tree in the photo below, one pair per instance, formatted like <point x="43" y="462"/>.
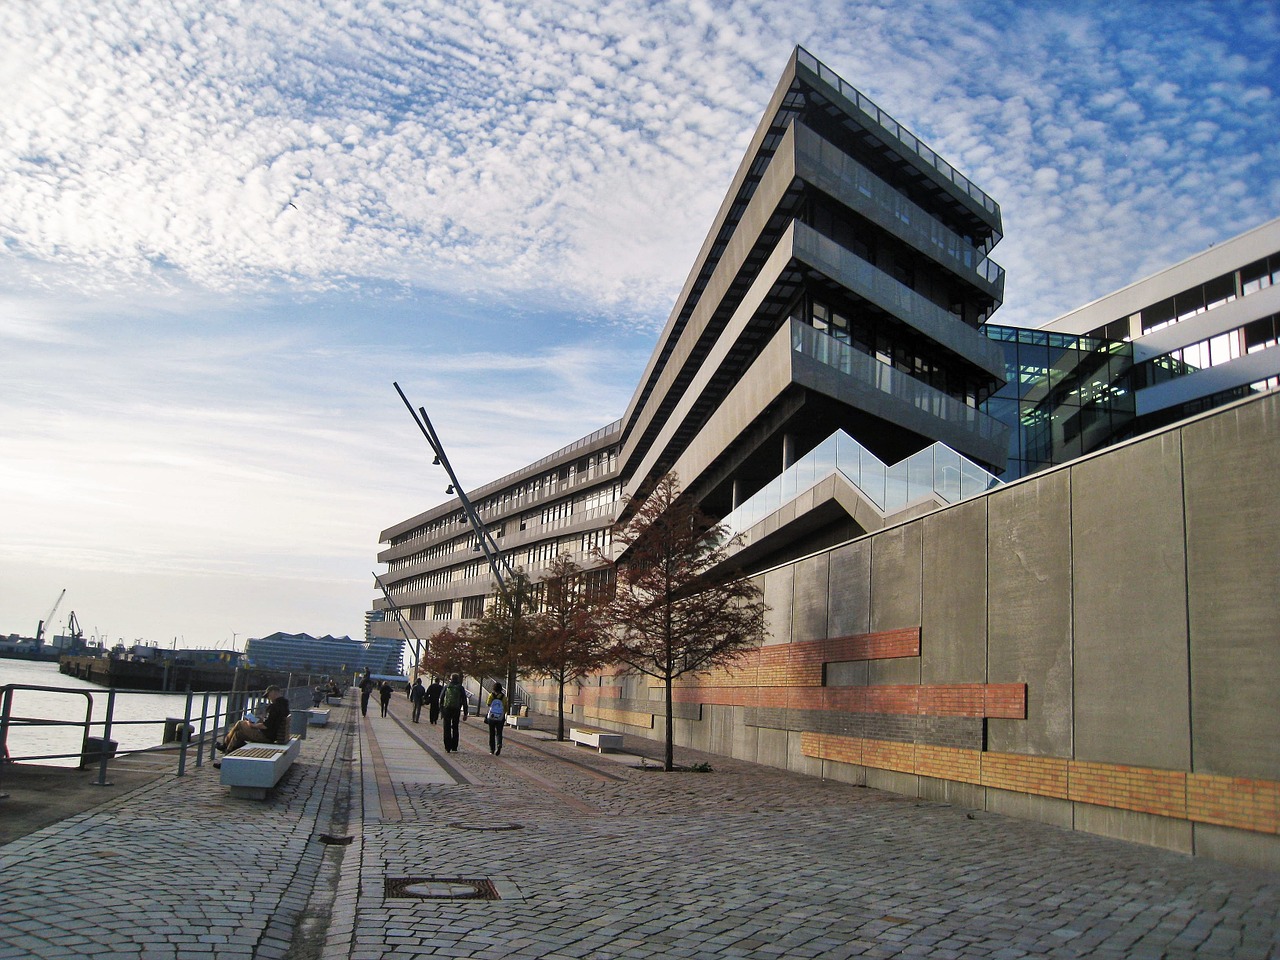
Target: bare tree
<point x="677" y="610"/>
<point x="501" y="634"/>
<point x="567" y="640"/>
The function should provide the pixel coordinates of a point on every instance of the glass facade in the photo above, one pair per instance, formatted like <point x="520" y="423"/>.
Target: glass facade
<point x="1065" y="396"/>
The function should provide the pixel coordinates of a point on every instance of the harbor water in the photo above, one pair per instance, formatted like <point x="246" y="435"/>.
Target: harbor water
<point x="40" y="740"/>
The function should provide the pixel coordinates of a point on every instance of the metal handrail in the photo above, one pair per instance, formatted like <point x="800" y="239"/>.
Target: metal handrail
<point x="236" y="702"/>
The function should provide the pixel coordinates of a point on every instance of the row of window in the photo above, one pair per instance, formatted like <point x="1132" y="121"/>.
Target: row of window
<point x="1195" y="300"/>
<point x="1258" y="335"/>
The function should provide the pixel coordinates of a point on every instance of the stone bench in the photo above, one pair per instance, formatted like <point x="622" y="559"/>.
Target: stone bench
<point x="602" y="740"/>
<point x="520" y="723"/>
<point x="318" y="718"/>
<point x="257" y="767"/>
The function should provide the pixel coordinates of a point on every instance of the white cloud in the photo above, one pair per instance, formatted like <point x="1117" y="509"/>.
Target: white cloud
<point x="224" y="229"/>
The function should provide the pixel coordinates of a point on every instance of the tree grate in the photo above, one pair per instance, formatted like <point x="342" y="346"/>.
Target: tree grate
<point x="439" y="888"/>
<point x="487" y="827"/>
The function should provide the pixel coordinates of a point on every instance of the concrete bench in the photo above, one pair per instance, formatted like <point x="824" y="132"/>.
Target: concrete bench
<point x="318" y="718"/>
<point x="257" y="767"/>
<point x="520" y="723"/>
<point x="334" y="701"/>
<point x="602" y="740"/>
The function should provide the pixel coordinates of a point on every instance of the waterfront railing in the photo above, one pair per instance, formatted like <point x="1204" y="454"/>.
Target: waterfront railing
<point x="191" y="736"/>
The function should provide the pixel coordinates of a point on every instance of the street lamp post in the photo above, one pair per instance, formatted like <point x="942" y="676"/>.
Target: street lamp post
<point x="498" y="563"/>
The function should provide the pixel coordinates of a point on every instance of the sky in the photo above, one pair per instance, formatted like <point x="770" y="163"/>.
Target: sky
<point x="227" y="228"/>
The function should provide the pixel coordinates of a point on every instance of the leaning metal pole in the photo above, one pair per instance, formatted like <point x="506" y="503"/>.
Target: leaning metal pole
<point x="498" y="564"/>
<point x="404" y="623"/>
<point x="493" y="553"/>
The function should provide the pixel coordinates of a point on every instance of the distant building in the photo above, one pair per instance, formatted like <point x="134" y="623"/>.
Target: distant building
<point x="303" y="653"/>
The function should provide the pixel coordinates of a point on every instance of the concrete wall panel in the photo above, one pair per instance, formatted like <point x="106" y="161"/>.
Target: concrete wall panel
<point x="895" y="596"/>
<point x="1131" y="671"/>
<point x="907" y="784"/>
<point x="1233" y="568"/>
<point x="1026" y="806"/>
<point x="1258" y="850"/>
<point x="772" y="748"/>
<point x="952" y="791"/>
<point x="1134" y="827"/>
<point x="809" y="603"/>
<point x="1029" y="632"/>
<point x="778" y="588"/>
<point x="953" y="623"/>
<point x="850" y="579"/>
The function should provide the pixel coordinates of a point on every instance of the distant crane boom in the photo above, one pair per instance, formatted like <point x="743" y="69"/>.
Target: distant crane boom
<point x="49" y="619"/>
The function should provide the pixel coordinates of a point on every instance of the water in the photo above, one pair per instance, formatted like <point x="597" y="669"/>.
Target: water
<point x="29" y="741"/>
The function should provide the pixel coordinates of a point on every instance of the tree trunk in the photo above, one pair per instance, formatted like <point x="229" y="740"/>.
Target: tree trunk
<point x="560" y="730"/>
<point x="669" y="763"/>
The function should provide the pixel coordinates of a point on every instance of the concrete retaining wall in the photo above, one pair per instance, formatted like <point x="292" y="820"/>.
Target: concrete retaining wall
<point x="1098" y="647"/>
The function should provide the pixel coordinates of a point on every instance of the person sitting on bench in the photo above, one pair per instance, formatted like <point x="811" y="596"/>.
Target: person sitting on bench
<point x="269" y="730"/>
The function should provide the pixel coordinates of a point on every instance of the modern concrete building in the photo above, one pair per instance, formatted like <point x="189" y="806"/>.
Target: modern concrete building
<point x="829" y="382"/>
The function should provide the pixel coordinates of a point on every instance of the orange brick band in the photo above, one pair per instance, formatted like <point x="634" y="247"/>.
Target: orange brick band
<point x="1004" y="700"/>
<point x="800" y="664"/>
<point x="1243" y="803"/>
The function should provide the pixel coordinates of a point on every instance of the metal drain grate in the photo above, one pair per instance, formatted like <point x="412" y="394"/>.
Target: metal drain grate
<point x="487" y="827"/>
<point x="439" y="888"/>
<point x="338" y="841"/>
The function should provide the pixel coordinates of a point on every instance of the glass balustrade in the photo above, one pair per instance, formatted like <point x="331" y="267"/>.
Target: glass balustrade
<point x="937" y="471"/>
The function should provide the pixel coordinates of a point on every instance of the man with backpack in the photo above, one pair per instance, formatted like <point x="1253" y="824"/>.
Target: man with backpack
<point x="453" y="704"/>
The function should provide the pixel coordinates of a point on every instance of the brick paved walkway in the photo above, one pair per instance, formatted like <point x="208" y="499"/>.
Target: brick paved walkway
<point x="592" y="857"/>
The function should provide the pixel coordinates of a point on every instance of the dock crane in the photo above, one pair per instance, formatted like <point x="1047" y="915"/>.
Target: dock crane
<point x="49" y="619"/>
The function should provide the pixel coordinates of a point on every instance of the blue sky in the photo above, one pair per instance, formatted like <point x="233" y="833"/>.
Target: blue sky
<point x="225" y="229"/>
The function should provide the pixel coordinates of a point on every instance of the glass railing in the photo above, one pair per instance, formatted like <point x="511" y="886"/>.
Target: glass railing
<point x="937" y="471"/>
<point x="870" y="372"/>
<point x="901" y="133"/>
<point x="871" y="196"/>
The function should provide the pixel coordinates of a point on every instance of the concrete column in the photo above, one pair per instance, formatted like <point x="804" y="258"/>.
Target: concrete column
<point x="737" y="493"/>
<point x="788" y="450"/>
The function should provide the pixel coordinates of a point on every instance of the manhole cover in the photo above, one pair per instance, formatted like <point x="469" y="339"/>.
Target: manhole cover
<point x="487" y="827"/>
<point x="439" y="888"/>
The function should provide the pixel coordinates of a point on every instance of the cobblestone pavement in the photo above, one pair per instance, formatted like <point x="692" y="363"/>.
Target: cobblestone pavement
<point x="592" y="856"/>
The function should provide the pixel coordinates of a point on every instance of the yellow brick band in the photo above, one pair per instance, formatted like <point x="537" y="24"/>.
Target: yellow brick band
<point x="630" y="717"/>
<point x="1238" y="802"/>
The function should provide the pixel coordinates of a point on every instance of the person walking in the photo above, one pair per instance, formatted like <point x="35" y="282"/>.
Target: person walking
<point x="453" y="705"/>
<point x="496" y="718"/>
<point x="384" y="695"/>
<point x="417" y="696"/>
<point x="433" y="698"/>
<point x="366" y="691"/>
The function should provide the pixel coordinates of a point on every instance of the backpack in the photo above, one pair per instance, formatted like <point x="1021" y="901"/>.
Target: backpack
<point x="452" y="699"/>
<point x="496" y="710"/>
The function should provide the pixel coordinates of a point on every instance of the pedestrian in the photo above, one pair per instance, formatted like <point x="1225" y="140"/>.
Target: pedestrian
<point x="496" y="718"/>
<point x="366" y="691"/>
<point x="453" y="704"/>
<point x="317" y="695"/>
<point x="384" y="694"/>
<point x="433" y="698"/>
<point x="417" y="696"/>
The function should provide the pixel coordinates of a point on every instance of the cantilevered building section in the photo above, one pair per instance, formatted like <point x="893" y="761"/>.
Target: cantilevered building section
<point x="827" y="332"/>
<point x="841" y="287"/>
